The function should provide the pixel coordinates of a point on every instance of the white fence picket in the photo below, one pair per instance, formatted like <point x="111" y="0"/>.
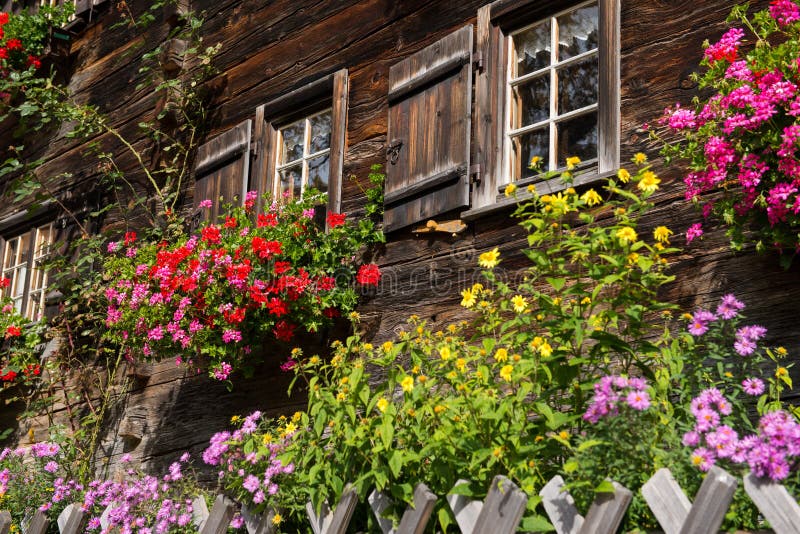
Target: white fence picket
<point x="775" y="502"/>
<point x="465" y="509"/>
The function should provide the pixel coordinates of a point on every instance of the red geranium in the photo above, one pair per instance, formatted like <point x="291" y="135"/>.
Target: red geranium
<point x="284" y="330"/>
<point x="13" y="331"/>
<point x="267" y="220"/>
<point x="3" y="18"/>
<point x="264" y="248"/>
<point x="14" y="44"/>
<point x="8" y="376"/>
<point x="4" y="282"/>
<point x="34" y="62"/>
<point x="130" y="238"/>
<point x="336" y="219"/>
<point x="368" y="275"/>
<point x="210" y="234"/>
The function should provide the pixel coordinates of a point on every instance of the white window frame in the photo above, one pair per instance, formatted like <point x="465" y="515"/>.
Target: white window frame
<point x="305" y="158"/>
<point x="553" y="119"/>
<point x="31" y="301"/>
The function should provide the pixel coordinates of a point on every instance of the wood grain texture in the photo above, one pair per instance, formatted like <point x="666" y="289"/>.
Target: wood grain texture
<point x="666" y="500"/>
<point x="776" y="503"/>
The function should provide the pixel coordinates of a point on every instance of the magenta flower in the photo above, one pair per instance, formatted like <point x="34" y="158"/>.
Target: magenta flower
<point x="229" y="336"/>
<point x="699" y="323"/>
<point x="753" y="386"/>
<point x="784" y="11"/>
<point x="205" y="203"/>
<point x="693" y="232"/>
<point x="638" y="400"/>
<point x="729" y="307"/>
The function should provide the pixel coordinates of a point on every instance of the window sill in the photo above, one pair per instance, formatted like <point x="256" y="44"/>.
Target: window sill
<point x="546" y="187"/>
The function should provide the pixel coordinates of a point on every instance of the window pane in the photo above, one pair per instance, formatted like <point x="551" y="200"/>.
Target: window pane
<point x="320" y="132"/>
<point x="528" y="146"/>
<point x="24" y="247"/>
<point x="293" y="142"/>
<point x="9" y="259"/>
<point x="532" y="48"/>
<point x="292" y="180"/>
<point x="19" y="281"/>
<point x="43" y="241"/>
<point x="318" y="173"/>
<point x="577" y="137"/>
<point x="577" y="85"/>
<point x="577" y="32"/>
<point x="531" y="102"/>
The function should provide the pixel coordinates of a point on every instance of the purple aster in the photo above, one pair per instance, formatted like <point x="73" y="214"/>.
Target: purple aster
<point x="703" y="458"/>
<point x="729" y="307"/>
<point x="753" y="386"/>
<point x="638" y="400"/>
<point x="251" y="483"/>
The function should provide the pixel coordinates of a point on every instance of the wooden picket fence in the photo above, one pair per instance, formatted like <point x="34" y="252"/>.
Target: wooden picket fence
<point x="502" y="510"/>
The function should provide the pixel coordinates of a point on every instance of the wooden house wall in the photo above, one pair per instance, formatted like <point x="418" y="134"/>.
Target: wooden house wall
<point x="270" y="48"/>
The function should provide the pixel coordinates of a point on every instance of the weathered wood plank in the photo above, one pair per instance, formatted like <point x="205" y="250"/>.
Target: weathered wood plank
<point x="710" y="504"/>
<point x="258" y="524"/>
<point x="5" y="522"/>
<point x="465" y="509"/>
<point x="71" y="519"/>
<point x="774" y="501"/>
<point x="666" y="500"/>
<point x="502" y="509"/>
<point x="560" y="507"/>
<point x="380" y="502"/>
<point x="415" y="518"/>
<point x="39" y="523"/>
<point x="199" y="512"/>
<point x="220" y="516"/>
<point x="336" y="521"/>
<point x="607" y="511"/>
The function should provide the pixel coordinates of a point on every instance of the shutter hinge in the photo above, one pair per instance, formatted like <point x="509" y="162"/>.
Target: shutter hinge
<point x="393" y="151"/>
<point x="475" y="173"/>
<point x="477" y="60"/>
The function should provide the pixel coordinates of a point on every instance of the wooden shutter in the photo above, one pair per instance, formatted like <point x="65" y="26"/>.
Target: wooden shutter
<point x="430" y="96"/>
<point x="221" y="168"/>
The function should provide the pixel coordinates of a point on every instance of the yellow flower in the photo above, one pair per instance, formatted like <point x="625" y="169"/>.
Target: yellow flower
<point x="382" y="404"/>
<point x="235" y="419"/>
<point x="276" y="519"/>
<point x="444" y="352"/>
<point x="728" y="374"/>
<point x="510" y="189"/>
<point x="623" y="176"/>
<point x="781" y="351"/>
<point x="422" y="379"/>
<point x="563" y="434"/>
<point x="559" y="203"/>
<point x="519" y="303"/>
<point x="619" y="212"/>
<point x="781" y="371"/>
<point x="537" y="439"/>
<point x="366" y="347"/>
<point x="531" y="189"/>
<point x="546" y="350"/>
<point x="355" y="316"/>
<point x="633" y="257"/>
<point x="296" y="416"/>
<point x="387" y="346"/>
<point x="586" y="300"/>
<point x="570" y="191"/>
<point x="291" y="427"/>
<point x="505" y="372"/>
<point x="411" y="412"/>
<point x="266" y="439"/>
<point x="591" y="197"/>
<point x="572" y="161"/>
<point x="501" y="355"/>
<point x="661" y="234"/>
<point x="461" y="364"/>
<point x="649" y="182"/>
<point x="341" y="396"/>
<point x="407" y="384"/>
<point x="439" y="409"/>
<point x="497" y="452"/>
<point x="626" y="234"/>
<point x="468" y="298"/>
<point x="639" y="158"/>
<point x="535" y="163"/>
<point x="490" y="259"/>
<point x="314" y="360"/>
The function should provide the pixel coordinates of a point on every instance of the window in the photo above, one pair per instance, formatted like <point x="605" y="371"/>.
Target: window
<point x="546" y="88"/>
<point x="303" y="160"/>
<point x="299" y="140"/>
<point x="552" y="91"/>
<point x="22" y="265"/>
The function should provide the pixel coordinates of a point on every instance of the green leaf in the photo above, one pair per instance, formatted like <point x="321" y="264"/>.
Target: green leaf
<point x="557" y="283"/>
<point x="536" y="523"/>
<point x="396" y="462"/>
<point x="604" y="487"/>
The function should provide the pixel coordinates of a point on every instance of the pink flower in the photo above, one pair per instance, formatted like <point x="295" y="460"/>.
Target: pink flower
<point x="753" y="386"/>
<point x="229" y="336"/>
<point x="784" y="11"/>
<point x="205" y="203"/>
<point x="223" y="371"/>
<point x="638" y="400"/>
<point x="729" y="307"/>
<point x="694" y="231"/>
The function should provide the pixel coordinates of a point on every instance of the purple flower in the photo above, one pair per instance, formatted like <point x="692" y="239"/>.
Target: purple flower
<point x="729" y="307"/>
<point x="693" y="232"/>
<point x="251" y="483"/>
<point x="51" y="466"/>
<point x="699" y="323"/>
<point x="231" y="336"/>
<point x="205" y="203"/>
<point x="691" y="439"/>
<point x="638" y="400"/>
<point x="703" y="459"/>
<point x="784" y="11"/>
<point x="753" y="386"/>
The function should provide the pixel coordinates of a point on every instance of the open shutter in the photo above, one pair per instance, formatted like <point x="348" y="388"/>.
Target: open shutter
<point x="430" y="96"/>
<point x="222" y="166"/>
